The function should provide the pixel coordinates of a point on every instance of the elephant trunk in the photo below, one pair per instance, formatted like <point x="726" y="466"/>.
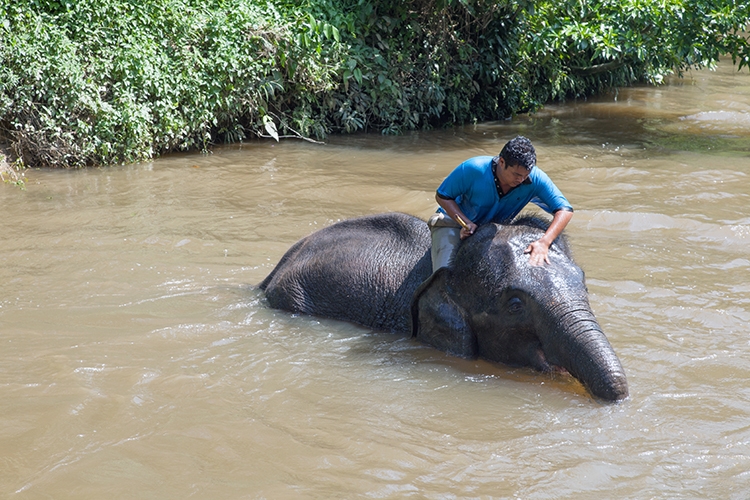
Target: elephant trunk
<point x="580" y="346"/>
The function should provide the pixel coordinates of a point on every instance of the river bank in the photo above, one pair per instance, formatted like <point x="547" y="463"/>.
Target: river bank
<point x="104" y="83"/>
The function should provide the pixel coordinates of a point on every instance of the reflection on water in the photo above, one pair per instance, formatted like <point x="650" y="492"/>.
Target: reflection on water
<point x="139" y="359"/>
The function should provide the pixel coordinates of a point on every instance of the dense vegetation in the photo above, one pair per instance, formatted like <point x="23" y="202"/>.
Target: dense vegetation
<point x="87" y="82"/>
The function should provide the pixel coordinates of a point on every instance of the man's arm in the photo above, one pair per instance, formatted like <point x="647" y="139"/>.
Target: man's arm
<point x="453" y="211"/>
<point x="540" y="248"/>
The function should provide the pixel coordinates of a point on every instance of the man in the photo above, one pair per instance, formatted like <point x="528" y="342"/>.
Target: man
<point x="495" y="189"/>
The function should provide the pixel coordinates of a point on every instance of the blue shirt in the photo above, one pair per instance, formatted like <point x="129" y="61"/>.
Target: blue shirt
<point x="472" y="186"/>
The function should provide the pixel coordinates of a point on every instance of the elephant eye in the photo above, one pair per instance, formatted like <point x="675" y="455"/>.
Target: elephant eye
<point x="515" y="305"/>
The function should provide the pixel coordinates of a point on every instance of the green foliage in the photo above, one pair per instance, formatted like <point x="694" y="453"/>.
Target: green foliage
<point x="576" y="48"/>
<point x="97" y="82"/>
<point x="91" y="82"/>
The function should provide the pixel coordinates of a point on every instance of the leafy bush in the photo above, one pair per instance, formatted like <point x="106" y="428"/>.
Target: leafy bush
<point x="576" y="48"/>
<point x="96" y="82"/>
<point x="91" y="82"/>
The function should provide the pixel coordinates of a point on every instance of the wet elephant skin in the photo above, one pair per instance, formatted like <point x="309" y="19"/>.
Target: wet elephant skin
<point x="376" y="271"/>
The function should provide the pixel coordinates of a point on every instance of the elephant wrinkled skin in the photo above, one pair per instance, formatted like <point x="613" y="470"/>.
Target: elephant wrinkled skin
<point x="491" y="303"/>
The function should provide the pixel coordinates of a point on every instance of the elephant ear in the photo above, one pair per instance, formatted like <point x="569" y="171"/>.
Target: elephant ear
<point x="437" y="319"/>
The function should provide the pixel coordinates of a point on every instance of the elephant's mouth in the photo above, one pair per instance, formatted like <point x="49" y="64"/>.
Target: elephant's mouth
<point x="539" y="362"/>
<point x="559" y="370"/>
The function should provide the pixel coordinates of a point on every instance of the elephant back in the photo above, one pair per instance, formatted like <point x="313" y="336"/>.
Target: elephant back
<point x="362" y="270"/>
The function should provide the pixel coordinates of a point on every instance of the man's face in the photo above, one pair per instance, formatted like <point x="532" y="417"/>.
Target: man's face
<point x="513" y="175"/>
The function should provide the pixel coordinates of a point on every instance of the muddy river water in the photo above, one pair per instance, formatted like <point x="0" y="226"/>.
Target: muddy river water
<point x="138" y="360"/>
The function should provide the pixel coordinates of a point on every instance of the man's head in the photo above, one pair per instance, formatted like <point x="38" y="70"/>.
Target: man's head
<point x="519" y="152"/>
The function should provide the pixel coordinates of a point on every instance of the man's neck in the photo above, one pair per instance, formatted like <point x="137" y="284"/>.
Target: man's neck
<point x="504" y="188"/>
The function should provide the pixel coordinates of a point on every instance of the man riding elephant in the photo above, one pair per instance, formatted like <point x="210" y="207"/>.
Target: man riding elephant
<point x="492" y="301"/>
<point x="495" y="189"/>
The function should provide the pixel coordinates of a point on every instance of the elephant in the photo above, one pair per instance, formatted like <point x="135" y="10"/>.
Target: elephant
<point x="491" y="303"/>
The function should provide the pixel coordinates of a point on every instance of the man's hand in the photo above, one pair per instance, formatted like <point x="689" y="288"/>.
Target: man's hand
<point x="539" y="253"/>
<point x="454" y="212"/>
<point x="540" y="248"/>
<point x="468" y="230"/>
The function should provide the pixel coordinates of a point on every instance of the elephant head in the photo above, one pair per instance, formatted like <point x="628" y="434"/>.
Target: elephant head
<point x="491" y="303"/>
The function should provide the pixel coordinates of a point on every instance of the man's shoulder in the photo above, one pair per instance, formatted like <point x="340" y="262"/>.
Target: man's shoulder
<point x="478" y="163"/>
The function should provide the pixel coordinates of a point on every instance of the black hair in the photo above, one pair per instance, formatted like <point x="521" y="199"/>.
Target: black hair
<point x="519" y="152"/>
